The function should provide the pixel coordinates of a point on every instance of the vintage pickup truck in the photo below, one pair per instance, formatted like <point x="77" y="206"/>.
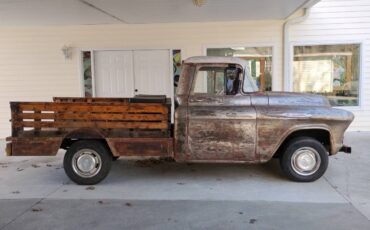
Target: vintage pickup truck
<point x="220" y="116"/>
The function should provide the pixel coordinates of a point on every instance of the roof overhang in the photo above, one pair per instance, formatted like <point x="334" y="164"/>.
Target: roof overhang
<point x="84" y="12"/>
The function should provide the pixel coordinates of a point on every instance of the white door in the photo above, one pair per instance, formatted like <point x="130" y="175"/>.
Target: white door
<point x="113" y="73"/>
<point x="152" y="72"/>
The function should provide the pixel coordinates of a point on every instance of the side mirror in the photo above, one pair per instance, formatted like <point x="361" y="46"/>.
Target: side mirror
<point x="231" y="71"/>
<point x="176" y="80"/>
<point x="232" y="81"/>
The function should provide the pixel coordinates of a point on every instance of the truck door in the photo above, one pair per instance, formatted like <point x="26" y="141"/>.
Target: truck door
<point x="221" y="121"/>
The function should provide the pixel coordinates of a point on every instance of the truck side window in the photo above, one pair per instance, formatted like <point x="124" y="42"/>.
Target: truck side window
<point x="249" y="85"/>
<point x="210" y="80"/>
<point x="217" y="81"/>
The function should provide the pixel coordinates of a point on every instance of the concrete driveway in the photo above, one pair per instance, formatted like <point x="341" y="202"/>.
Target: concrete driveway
<point x="36" y="194"/>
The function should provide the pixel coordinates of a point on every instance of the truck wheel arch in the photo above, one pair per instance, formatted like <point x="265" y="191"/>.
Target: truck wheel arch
<point x="82" y="134"/>
<point x="322" y="135"/>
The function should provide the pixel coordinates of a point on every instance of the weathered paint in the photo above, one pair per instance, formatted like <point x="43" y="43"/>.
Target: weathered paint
<point x="28" y="146"/>
<point x="247" y="127"/>
<point x="146" y="147"/>
<point x="223" y="132"/>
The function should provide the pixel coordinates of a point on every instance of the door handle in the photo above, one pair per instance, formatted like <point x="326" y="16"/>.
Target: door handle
<point x="207" y="100"/>
<point x="136" y="90"/>
<point x="231" y="114"/>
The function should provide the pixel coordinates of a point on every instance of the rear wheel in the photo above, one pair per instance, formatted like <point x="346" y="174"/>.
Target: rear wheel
<point x="304" y="159"/>
<point x="87" y="162"/>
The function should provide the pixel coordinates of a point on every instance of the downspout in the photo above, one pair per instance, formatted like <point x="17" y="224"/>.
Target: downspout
<point x="287" y="48"/>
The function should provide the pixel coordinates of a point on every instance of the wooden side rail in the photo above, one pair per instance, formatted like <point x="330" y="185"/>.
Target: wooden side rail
<point x="161" y="99"/>
<point x="59" y="115"/>
<point x="91" y="99"/>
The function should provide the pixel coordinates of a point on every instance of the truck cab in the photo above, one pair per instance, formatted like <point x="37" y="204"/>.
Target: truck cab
<point x="214" y="111"/>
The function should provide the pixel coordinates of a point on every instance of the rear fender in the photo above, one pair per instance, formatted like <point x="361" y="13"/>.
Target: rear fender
<point x="85" y="133"/>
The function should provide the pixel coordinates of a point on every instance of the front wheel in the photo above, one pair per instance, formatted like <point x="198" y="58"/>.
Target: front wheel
<point x="87" y="162"/>
<point x="304" y="159"/>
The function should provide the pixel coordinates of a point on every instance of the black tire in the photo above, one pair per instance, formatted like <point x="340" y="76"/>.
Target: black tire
<point x="297" y="146"/>
<point x="103" y="165"/>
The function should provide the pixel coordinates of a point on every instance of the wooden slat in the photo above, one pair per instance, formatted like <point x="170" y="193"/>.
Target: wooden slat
<point x="95" y="116"/>
<point x="110" y="115"/>
<point x="83" y="107"/>
<point x="90" y="124"/>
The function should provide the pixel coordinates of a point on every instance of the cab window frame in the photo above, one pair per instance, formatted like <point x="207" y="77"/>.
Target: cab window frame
<point x="224" y="66"/>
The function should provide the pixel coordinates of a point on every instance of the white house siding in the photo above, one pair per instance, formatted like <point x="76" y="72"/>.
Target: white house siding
<point x="341" y="21"/>
<point x="32" y="66"/>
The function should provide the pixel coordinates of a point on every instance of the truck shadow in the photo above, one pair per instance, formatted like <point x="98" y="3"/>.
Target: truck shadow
<point x="128" y="170"/>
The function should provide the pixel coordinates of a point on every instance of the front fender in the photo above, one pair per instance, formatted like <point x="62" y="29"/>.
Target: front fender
<point x="276" y="123"/>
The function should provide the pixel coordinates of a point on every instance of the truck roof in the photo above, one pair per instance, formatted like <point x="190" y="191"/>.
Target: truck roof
<point x="210" y="60"/>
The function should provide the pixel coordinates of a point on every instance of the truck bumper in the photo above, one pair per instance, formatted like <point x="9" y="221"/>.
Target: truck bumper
<point x="345" y="149"/>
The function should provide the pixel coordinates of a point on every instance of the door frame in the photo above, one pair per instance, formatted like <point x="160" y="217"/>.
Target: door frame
<point x="91" y="50"/>
<point x="129" y="54"/>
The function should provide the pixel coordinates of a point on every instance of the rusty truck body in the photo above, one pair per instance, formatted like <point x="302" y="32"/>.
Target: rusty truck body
<point x="220" y="116"/>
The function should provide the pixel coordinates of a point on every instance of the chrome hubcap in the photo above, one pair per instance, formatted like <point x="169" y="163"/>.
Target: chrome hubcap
<point x="306" y="161"/>
<point x="86" y="163"/>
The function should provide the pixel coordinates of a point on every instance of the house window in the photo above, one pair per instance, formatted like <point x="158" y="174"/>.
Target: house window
<point x="259" y="62"/>
<point x="87" y="77"/>
<point x="329" y="70"/>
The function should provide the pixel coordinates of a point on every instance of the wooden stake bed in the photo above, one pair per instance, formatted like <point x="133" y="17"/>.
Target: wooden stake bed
<point x="41" y="128"/>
